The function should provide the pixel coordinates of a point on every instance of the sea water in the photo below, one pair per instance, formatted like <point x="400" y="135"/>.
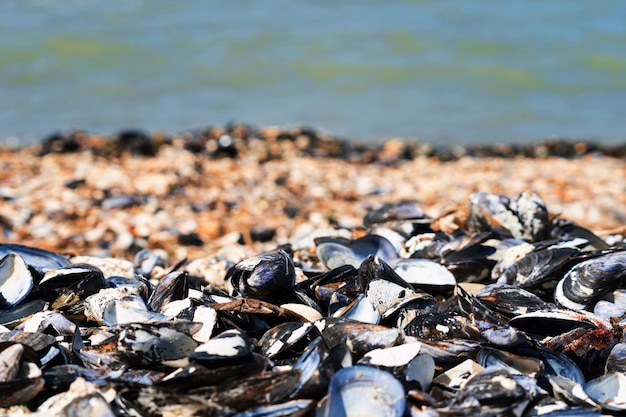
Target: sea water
<point x="445" y="71"/>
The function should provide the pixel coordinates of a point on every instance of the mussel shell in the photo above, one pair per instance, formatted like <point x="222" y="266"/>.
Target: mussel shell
<point x="533" y="215"/>
<point x="227" y="346"/>
<point x="608" y="391"/>
<point x="537" y="267"/>
<point x="588" y="281"/>
<point x="496" y="389"/>
<point x="16" y="281"/>
<point x="284" y="337"/>
<point x="173" y="286"/>
<point x="37" y="258"/>
<point x="514" y="364"/>
<point x="362" y="390"/>
<point x="511" y="301"/>
<point x="556" y="322"/>
<point x="267" y="276"/>
<point x="406" y="210"/>
<point x="554" y="363"/>
<point x="617" y="359"/>
<point x="425" y="274"/>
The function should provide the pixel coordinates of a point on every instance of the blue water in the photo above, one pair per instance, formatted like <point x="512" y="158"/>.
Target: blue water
<point x="442" y="71"/>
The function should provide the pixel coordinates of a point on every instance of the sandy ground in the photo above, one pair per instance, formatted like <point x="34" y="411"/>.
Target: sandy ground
<point x="191" y="205"/>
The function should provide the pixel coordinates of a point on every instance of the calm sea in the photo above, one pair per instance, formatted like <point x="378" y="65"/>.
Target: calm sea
<point x="451" y="71"/>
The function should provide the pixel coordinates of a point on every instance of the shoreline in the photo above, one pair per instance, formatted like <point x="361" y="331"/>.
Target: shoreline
<point x="238" y="139"/>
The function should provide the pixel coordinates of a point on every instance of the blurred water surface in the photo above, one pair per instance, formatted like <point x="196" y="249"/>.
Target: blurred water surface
<point x="442" y="71"/>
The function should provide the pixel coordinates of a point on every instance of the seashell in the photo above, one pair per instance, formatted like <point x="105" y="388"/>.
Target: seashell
<point x="271" y="387"/>
<point x="47" y="321"/>
<point x="617" y="359"/>
<point x="307" y="313"/>
<point x="208" y="317"/>
<point x="363" y="341"/>
<point x="566" y="230"/>
<point x="360" y="309"/>
<point x="608" y="391"/>
<point x="424" y="274"/>
<point x="141" y="400"/>
<point x="392" y="357"/>
<point x="37" y="258"/>
<point x="334" y="255"/>
<point x="362" y="390"/>
<point x="128" y="309"/>
<point x="284" y="337"/>
<point x="607" y="310"/>
<point x="537" y="267"/>
<point x="373" y="245"/>
<point x="525" y="218"/>
<point x="72" y="284"/>
<point x="421" y="369"/>
<point x="533" y="215"/>
<point x="16" y="281"/>
<point x="265" y="277"/>
<point x="588" y="281"/>
<point x="150" y="343"/>
<point x="146" y="260"/>
<point x="554" y="363"/>
<point x="196" y="375"/>
<point x="20" y="380"/>
<point x="456" y="376"/>
<point x="497" y="392"/>
<point x="514" y="364"/>
<point x="173" y="286"/>
<point x="511" y="301"/>
<point x="406" y="210"/>
<point x="13" y="317"/>
<point x="228" y="345"/>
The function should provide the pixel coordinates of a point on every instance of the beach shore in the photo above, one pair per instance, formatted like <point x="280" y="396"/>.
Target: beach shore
<point x="191" y="197"/>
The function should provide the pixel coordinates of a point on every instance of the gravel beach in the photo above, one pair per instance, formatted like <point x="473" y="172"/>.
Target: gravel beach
<point x="97" y="196"/>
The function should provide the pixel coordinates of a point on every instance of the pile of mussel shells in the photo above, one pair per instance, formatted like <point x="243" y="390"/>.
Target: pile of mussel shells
<point x="516" y="313"/>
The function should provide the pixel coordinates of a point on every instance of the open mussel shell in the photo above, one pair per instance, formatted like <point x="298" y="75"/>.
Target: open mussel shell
<point x="362" y="390"/>
<point x="588" y="281"/>
<point x="514" y="364"/>
<point x="425" y="274"/>
<point x="608" y="391"/>
<point x="16" y="281"/>
<point x="554" y="363"/>
<point x="335" y="254"/>
<point x="556" y="322"/>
